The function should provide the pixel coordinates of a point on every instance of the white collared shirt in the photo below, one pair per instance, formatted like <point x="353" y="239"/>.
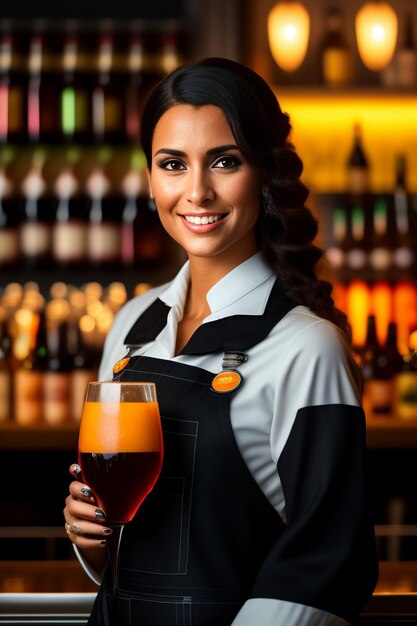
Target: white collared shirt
<point x="304" y="361"/>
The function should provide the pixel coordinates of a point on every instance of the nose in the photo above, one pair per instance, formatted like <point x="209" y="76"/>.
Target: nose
<point x="199" y="187"/>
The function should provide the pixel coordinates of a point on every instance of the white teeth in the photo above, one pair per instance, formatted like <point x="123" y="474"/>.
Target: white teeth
<point x="207" y="219"/>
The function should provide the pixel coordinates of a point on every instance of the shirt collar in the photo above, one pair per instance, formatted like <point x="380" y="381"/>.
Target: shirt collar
<point x="234" y="287"/>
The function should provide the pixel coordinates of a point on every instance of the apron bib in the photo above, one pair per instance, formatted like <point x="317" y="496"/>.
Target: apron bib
<point x="191" y="554"/>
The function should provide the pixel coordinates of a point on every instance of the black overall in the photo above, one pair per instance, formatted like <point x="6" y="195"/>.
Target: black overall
<point x="190" y="556"/>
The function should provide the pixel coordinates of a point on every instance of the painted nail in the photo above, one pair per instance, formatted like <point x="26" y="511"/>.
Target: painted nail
<point x="76" y="468"/>
<point x="100" y="514"/>
<point x="103" y="543"/>
<point x="86" y="491"/>
<point x="107" y="531"/>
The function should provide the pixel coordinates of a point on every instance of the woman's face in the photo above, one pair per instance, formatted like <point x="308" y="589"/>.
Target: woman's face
<point x="206" y="192"/>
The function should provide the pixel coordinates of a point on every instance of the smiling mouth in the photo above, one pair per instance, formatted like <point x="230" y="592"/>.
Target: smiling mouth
<point x="205" y="219"/>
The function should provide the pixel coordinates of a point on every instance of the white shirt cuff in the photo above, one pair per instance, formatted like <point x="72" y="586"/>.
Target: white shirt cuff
<point x="269" y="612"/>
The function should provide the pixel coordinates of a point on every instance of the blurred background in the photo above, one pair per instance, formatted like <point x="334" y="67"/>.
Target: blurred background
<point x="78" y="236"/>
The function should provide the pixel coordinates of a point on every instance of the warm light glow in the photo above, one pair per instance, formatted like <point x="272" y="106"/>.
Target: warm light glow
<point x="405" y="312"/>
<point x="376" y="34"/>
<point x="382" y="308"/>
<point x="358" y="310"/>
<point x="323" y="130"/>
<point x="288" y="32"/>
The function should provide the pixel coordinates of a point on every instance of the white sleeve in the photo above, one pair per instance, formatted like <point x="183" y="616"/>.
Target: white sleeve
<point x="269" y="612"/>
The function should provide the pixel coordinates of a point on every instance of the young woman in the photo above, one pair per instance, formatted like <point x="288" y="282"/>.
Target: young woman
<point x="261" y="513"/>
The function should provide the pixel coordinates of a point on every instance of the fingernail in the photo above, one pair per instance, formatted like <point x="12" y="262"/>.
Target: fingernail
<point x="86" y="491"/>
<point x="103" y="543"/>
<point x="100" y="514"/>
<point x="107" y="531"/>
<point x="76" y="469"/>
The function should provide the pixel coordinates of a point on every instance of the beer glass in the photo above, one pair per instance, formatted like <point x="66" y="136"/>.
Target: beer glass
<point x="120" y="451"/>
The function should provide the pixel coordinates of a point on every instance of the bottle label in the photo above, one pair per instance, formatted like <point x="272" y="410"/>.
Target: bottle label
<point x="380" y="258"/>
<point x="66" y="185"/>
<point x="33" y="185"/>
<point x="28" y="397"/>
<point x="69" y="241"/>
<point x="35" y="239"/>
<point x="9" y="246"/>
<point x="104" y="242"/>
<point x="337" y="66"/>
<point x="379" y="395"/>
<point x="56" y="389"/>
<point x="406" y="395"/>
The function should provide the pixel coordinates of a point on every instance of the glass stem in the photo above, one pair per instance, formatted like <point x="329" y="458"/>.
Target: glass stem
<point x="113" y="546"/>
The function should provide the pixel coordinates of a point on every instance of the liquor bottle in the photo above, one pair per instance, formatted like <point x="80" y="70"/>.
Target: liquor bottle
<point x="406" y="56"/>
<point x="383" y="238"/>
<point x="57" y="375"/>
<point x="104" y="230"/>
<point x="84" y="369"/>
<point x="357" y="166"/>
<point x="5" y="371"/>
<point x="336" y="250"/>
<point x="9" y="216"/>
<point x="376" y="373"/>
<point x="136" y="89"/>
<point x="403" y="255"/>
<point x="107" y="95"/>
<point x="336" y="56"/>
<point x="29" y="351"/>
<point x="12" y="89"/>
<point x="43" y="110"/>
<point x="168" y="54"/>
<point x="36" y="225"/>
<point x="134" y="190"/>
<point x="357" y="254"/>
<point x="70" y="229"/>
<point x="75" y="104"/>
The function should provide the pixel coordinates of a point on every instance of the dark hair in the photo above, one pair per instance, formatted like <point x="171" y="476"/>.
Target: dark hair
<point x="286" y="227"/>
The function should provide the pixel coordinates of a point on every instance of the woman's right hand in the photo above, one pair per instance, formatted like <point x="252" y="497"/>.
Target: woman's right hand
<point x="85" y="523"/>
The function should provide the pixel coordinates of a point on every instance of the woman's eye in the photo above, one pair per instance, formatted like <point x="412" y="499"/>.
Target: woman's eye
<point x="227" y="162"/>
<point x="172" y="165"/>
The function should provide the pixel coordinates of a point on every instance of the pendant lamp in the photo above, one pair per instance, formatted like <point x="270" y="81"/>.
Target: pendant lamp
<point x="376" y="26"/>
<point x="288" y="33"/>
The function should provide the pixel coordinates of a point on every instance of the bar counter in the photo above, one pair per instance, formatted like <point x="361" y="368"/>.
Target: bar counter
<point x="30" y="589"/>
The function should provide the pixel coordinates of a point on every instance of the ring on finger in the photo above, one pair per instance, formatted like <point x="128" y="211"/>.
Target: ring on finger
<point x="73" y="528"/>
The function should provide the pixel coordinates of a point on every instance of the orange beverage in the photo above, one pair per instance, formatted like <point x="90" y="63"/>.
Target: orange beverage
<point x="120" y="454"/>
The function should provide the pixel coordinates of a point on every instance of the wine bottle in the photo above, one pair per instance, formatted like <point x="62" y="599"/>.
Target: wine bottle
<point x="9" y="216"/>
<point x="357" y="166"/>
<point x="134" y="190"/>
<point x="70" y="229"/>
<point x="376" y="373"/>
<point x="406" y="56"/>
<point x="336" y="250"/>
<point x="12" y="89"/>
<point x="36" y="225"/>
<point x="382" y="241"/>
<point x="104" y="230"/>
<point x="403" y="255"/>
<point x="75" y="102"/>
<point x="43" y="110"/>
<point x="136" y="90"/>
<point x="107" y="94"/>
<point x="336" y="56"/>
<point x="57" y="375"/>
<point x="357" y="254"/>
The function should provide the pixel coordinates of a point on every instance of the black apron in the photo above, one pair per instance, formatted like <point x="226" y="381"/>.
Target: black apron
<point x="191" y="554"/>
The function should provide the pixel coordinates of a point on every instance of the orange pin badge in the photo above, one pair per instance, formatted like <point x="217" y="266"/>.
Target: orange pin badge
<point x="226" y="381"/>
<point x="121" y="364"/>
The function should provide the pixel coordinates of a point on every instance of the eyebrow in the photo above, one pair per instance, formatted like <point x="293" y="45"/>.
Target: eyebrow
<point x="180" y="153"/>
